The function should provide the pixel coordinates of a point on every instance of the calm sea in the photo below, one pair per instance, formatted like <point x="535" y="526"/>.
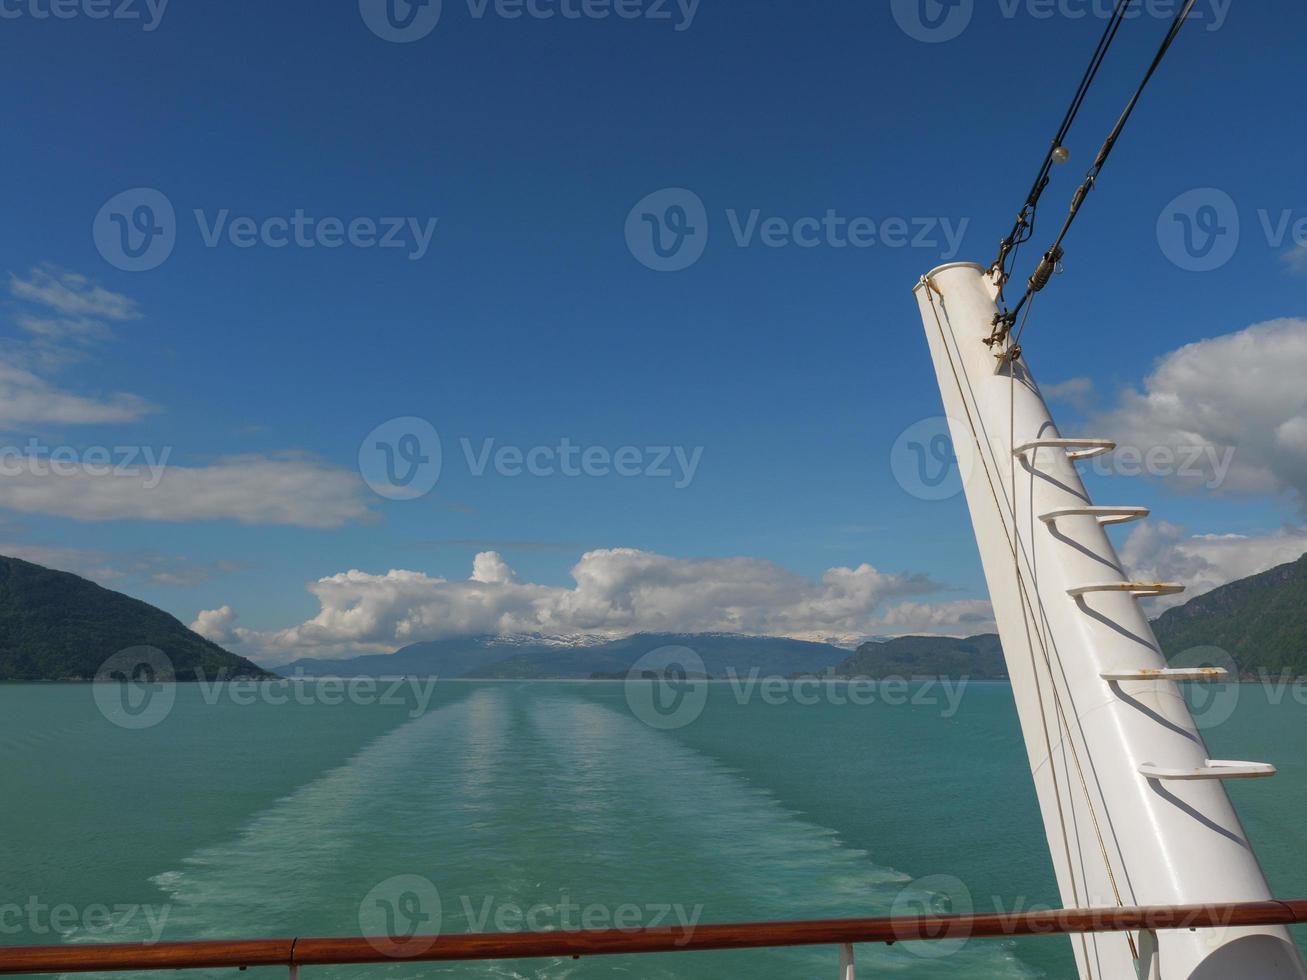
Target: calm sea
<point x="539" y="806"/>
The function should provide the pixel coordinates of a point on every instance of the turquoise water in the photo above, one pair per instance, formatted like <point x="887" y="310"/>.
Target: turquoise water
<point x="505" y="800"/>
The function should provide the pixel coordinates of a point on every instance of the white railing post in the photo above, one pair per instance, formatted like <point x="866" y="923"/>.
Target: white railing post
<point x="846" y="962"/>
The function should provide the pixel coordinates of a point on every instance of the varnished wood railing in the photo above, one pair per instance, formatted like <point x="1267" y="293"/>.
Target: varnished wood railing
<point x="298" y="952"/>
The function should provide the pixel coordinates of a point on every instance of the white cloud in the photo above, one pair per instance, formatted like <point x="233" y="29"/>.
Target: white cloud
<point x="71" y="294"/>
<point x="62" y="328"/>
<point x="26" y="398"/>
<point x="961" y="617"/>
<point x="616" y="592"/>
<point x="67" y="325"/>
<point x="1162" y="552"/>
<point x="218" y="625"/>
<point x="288" y="490"/>
<point x="71" y="315"/>
<point x="490" y="568"/>
<point x="1241" y="397"/>
<point x="1076" y="392"/>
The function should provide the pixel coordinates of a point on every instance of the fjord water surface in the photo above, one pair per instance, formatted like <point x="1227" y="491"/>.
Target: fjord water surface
<point x="538" y="805"/>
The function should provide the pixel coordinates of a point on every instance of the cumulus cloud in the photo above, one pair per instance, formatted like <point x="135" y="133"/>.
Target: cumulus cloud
<point x="1163" y="552"/>
<point x="218" y="625"/>
<point x="960" y="617"/>
<point x="287" y="490"/>
<point x="1239" y="398"/>
<point x="491" y="569"/>
<point x="616" y="592"/>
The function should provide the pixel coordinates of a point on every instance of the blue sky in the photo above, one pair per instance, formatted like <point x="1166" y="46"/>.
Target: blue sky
<point x="528" y="318"/>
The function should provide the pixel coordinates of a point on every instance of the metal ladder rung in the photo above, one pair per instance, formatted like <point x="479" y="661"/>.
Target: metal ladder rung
<point x="1075" y="448"/>
<point x="1215" y="769"/>
<point x="1105" y="515"/>
<point x="1168" y="674"/>
<point x="1140" y="589"/>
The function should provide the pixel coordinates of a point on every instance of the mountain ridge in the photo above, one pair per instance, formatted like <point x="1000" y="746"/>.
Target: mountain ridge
<point x="489" y="657"/>
<point x="57" y="626"/>
<point x="1260" y="621"/>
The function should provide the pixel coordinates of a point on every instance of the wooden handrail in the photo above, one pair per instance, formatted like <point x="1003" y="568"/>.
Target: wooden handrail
<point x="608" y="942"/>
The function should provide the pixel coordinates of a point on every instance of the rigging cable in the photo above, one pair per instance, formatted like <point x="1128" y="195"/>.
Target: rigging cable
<point x="1025" y="224"/>
<point x="1053" y="257"/>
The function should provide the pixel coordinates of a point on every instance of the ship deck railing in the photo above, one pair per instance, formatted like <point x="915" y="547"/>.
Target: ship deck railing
<point x="844" y="934"/>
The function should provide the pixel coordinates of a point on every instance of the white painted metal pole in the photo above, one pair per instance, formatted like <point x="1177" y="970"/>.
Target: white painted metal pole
<point x="846" y="962"/>
<point x="1068" y="616"/>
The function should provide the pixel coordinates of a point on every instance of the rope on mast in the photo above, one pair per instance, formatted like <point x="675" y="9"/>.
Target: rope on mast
<point x="1025" y="223"/>
<point x="1052" y="258"/>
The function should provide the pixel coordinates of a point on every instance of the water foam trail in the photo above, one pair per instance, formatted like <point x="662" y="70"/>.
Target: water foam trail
<point x="528" y="798"/>
<point x="726" y="845"/>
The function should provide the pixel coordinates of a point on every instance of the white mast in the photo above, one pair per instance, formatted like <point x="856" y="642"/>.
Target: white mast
<point x="1134" y="808"/>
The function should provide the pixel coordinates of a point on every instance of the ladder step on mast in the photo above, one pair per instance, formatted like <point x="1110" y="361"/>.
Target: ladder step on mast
<point x="1075" y="448"/>
<point x="1215" y="769"/>
<point x="1141" y="590"/>
<point x="1168" y="674"/>
<point x="1105" y="515"/>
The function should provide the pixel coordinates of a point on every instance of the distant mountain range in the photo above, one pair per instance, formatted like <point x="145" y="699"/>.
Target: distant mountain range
<point x="541" y="657"/>
<point x="723" y="655"/>
<point x="977" y="657"/>
<point x="57" y="626"/>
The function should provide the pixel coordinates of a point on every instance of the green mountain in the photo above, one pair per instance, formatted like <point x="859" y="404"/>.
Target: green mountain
<point x="57" y="626"/>
<point x="976" y="657"/>
<point x="1261" y="621"/>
